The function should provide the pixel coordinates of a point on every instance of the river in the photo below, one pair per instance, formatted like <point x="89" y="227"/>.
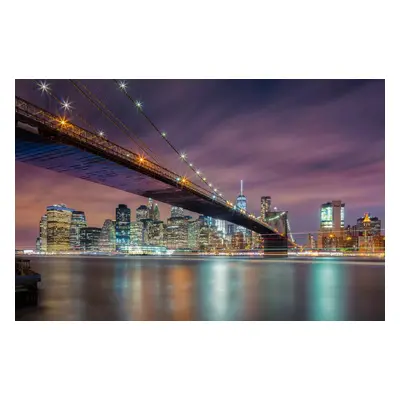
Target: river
<point x="207" y="289"/>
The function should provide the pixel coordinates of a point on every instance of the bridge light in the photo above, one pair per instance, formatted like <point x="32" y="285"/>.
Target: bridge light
<point x="210" y="184"/>
<point x="101" y="133"/>
<point x="183" y="180"/>
<point x="204" y="179"/>
<point x="122" y="85"/>
<point x="214" y="196"/>
<point x="141" y="159"/>
<point x="198" y="172"/>
<point x="178" y="179"/>
<point x="183" y="156"/>
<point x="66" y="105"/>
<point x="138" y="104"/>
<point x="215" y="189"/>
<point x="190" y="165"/>
<point x="163" y="134"/>
<point x="63" y="121"/>
<point x="44" y="86"/>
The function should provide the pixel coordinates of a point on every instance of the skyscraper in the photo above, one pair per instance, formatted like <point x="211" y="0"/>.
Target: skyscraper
<point x="221" y="226"/>
<point x="177" y="212"/>
<point x="107" y="236"/>
<point x="156" y="213"/>
<point x="142" y="212"/>
<point x="43" y="233"/>
<point x="156" y="233"/>
<point x="78" y="221"/>
<point x="373" y="227"/>
<point x="241" y="202"/>
<point x="58" y="228"/>
<point x="177" y="233"/>
<point x="331" y="225"/>
<point x="123" y="228"/>
<point x="137" y="233"/>
<point x="265" y="207"/>
<point x="90" y="239"/>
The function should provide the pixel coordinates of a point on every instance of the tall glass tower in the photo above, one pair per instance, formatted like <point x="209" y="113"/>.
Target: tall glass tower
<point x="241" y="202"/>
<point x="78" y="221"/>
<point x="123" y="228"/>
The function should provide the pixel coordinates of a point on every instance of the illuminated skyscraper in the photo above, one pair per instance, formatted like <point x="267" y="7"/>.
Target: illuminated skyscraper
<point x="156" y="233"/>
<point x="177" y="233"/>
<point x="193" y="233"/>
<point x="123" y="228"/>
<point x="177" y="212"/>
<point x="90" y="239"/>
<point x="142" y="212"/>
<point x="156" y="213"/>
<point x="58" y="228"/>
<point x="331" y="225"/>
<point x="241" y="202"/>
<point x="221" y="226"/>
<point x="137" y="233"/>
<point x="107" y="236"/>
<point x="43" y="233"/>
<point x="78" y="221"/>
<point x="265" y="207"/>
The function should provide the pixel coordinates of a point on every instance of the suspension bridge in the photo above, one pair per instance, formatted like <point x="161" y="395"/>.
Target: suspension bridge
<point x="51" y="141"/>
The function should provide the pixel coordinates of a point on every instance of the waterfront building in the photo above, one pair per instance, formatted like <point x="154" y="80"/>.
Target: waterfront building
<point x="43" y="233"/>
<point x="58" y="228"/>
<point x="107" y="236"/>
<point x="78" y="221"/>
<point x="156" y="234"/>
<point x="221" y="227"/>
<point x="122" y="228"/>
<point x="137" y="233"/>
<point x="331" y="233"/>
<point x="177" y="233"/>
<point x="90" y="239"/>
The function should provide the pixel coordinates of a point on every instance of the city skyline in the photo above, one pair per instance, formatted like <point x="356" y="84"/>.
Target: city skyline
<point x="346" y="162"/>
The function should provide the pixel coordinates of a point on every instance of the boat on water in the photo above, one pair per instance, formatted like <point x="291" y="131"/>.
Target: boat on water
<point x="26" y="283"/>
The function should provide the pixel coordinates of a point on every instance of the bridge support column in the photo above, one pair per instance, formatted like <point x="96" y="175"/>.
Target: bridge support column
<point x="275" y="246"/>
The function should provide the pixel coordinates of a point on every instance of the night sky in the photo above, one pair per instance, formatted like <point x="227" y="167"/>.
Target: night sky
<point x="302" y="142"/>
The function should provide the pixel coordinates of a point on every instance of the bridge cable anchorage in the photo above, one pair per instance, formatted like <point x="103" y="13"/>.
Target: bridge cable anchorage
<point x="83" y="90"/>
<point x="182" y="156"/>
<point x="63" y="104"/>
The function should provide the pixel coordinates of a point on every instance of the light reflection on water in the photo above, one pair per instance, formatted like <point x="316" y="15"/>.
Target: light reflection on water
<point x="211" y="289"/>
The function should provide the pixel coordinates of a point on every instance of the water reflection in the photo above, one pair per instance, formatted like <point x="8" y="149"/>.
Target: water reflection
<point x="210" y="289"/>
<point x="327" y="299"/>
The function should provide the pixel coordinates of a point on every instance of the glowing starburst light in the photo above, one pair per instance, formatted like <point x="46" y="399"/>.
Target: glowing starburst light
<point x="123" y="85"/>
<point x="66" y="105"/>
<point x="101" y="133"/>
<point x="198" y="172"/>
<point x="138" y="104"/>
<point x="44" y="87"/>
<point x="183" y="156"/>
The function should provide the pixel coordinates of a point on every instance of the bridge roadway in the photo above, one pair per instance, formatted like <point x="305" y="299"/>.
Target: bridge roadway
<point x="47" y="141"/>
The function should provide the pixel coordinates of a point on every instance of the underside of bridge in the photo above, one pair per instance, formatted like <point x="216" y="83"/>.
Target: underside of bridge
<point x="40" y="146"/>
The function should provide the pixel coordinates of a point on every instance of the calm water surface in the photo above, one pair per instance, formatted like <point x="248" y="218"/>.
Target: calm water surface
<point x="214" y="288"/>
